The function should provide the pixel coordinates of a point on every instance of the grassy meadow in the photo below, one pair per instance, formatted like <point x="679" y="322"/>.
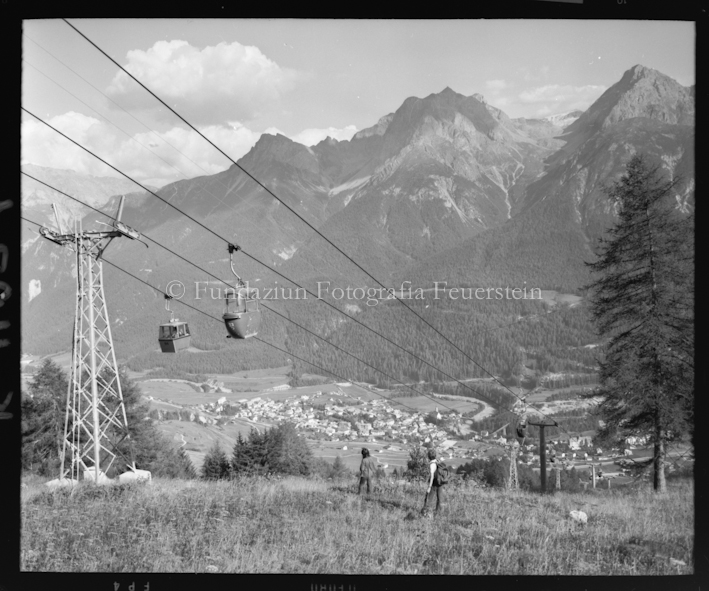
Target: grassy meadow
<point x="297" y="525"/>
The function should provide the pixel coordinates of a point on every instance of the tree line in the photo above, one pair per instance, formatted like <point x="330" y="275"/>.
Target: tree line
<point x="43" y="416"/>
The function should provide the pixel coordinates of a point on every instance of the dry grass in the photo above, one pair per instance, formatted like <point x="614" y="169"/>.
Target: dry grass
<point x="308" y="526"/>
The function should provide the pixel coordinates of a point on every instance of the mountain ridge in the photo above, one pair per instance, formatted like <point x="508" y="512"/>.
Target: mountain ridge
<point x="447" y="187"/>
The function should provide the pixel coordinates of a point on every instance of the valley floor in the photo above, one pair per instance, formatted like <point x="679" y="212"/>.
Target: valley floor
<point x="297" y="525"/>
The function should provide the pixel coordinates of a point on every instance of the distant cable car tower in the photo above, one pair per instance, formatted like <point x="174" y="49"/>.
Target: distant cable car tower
<point x="95" y="421"/>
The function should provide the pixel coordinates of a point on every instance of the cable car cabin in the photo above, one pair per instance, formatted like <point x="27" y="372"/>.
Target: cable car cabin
<point x="174" y="336"/>
<point x="243" y="317"/>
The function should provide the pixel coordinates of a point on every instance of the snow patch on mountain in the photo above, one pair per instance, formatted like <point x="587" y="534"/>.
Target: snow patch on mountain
<point x="351" y="184"/>
<point x="287" y="252"/>
<point x="27" y="243"/>
<point x="563" y="119"/>
<point x="35" y="288"/>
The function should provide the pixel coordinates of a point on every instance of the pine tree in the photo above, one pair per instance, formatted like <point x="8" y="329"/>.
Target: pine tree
<point x="241" y="458"/>
<point x="287" y="452"/>
<point x="279" y="450"/>
<point x="642" y="302"/>
<point x="216" y="465"/>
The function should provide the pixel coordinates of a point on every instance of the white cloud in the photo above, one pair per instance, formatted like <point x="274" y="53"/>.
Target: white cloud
<point x="552" y="99"/>
<point x="495" y="85"/>
<point x="43" y="146"/>
<point x="561" y="93"/>
<point x="191" y="155"/>
<point x="549" y="99"/>
<point x="312" y="136"/>
<point x="150" y="157"/>
<point x="218" y="83"/>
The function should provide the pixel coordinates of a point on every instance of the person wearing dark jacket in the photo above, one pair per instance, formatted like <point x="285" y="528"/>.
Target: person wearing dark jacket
<point x="367" y="470"/>
<point x="433" y="490"/>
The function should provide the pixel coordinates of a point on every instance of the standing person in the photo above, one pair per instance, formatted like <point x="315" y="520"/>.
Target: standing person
<point x="367" y="470"/>
<point x="433" y="490"/>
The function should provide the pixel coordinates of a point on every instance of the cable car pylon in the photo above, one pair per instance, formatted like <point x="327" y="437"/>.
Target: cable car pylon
<point x="95" y="420"/>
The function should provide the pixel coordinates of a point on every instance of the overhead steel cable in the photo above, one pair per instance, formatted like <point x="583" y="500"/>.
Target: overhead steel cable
<point x="261" y="304"/>
<point x="209" y="192"/>
<point x="270" y="268"/>
<point x="477" y="393"/>
<point x="327" y="371"/>
<point x="436" y="400"/>
<point x="290" y="209"/>
<point x="121" y="130"/>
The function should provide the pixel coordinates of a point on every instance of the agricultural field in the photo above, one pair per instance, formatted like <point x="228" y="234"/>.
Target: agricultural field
<point x="352" y="456"/>
<point x="553" y="298"/>
<point x="254" y="379"/>
<point x="425" y="404"/>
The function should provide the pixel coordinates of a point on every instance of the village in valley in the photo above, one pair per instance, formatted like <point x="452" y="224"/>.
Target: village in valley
<point x="338" y="419"/>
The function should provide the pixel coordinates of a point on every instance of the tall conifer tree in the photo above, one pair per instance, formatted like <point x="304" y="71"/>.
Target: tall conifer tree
<point x="642" y="303"/>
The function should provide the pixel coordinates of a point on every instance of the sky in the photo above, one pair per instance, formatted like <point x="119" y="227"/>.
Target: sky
<point x="307" y="79"/>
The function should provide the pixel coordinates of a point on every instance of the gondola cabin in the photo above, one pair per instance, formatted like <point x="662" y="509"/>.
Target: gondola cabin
<point x="174" y="336"/>
<point x="242" y="316"/>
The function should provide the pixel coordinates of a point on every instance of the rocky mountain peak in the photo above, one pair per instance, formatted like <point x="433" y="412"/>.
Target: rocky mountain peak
<point x="281" y="149"/>
<point x="641" y="92"/>
<point x="378" y="129"/>
<point x="639" y="71"/>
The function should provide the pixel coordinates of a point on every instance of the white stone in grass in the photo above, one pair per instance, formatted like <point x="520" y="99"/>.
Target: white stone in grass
<point x="59" y="482"/>
<point x="579" y="517"/>
<point x="136" y="476"/>
<point x="90" y="475"/>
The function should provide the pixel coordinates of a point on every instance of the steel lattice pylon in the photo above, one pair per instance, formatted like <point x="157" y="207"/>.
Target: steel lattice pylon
<point x="95" y="421"/>
<point x="95" y="415"/>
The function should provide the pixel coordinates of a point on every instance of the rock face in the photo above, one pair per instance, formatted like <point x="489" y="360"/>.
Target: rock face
<point x="438" y="170"/>
<point x="564" y="211"/>
<point x="447" y="186"/>
<point x="641" y="92"/>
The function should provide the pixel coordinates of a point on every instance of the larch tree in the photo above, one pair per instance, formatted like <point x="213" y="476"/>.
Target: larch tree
<point x="43" y="412"/>
<point x="642" y="304"/>
<point x="43" y="426"/>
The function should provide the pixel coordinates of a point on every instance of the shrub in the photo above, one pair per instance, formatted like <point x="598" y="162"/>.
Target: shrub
<point x="417" y="465"/>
